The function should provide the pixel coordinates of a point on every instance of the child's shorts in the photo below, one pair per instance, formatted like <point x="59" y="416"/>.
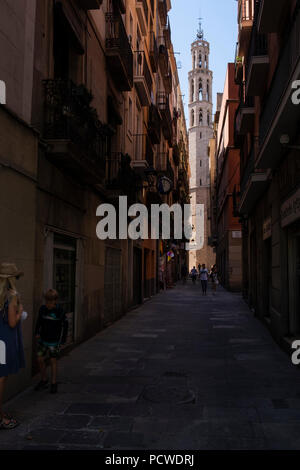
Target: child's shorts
<point x="43" y="349"/>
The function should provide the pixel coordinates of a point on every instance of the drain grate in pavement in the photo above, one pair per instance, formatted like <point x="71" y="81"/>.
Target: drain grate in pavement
<point x="173" y="395"/>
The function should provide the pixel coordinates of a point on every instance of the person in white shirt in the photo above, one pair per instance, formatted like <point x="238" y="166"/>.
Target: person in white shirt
<point x="204" y="279"/>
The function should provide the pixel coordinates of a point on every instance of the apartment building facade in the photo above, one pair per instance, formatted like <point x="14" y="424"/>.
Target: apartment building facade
<point x="226" y="225"/>
<point x="106" y="119"/>
<point x="267" y="65"/>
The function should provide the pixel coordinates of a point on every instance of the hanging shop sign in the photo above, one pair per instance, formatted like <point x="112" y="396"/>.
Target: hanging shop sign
<point x="267" y="228"/>
<point x="290" y="210"/>
<point x="164" y="185"/>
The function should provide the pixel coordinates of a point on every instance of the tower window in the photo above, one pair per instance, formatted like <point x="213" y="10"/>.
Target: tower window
<point x="200" y="135"/>
<point x="200" y="182"/>
<point x="200" y="61"/>
<point x="206" y="62"/>
<point x="194" y="60"/>
<point x="208" y="118"/>
<point x="200" y="162"/>
<point x="192" y="90"/>
<point x="200" y="117"/>
<point x="192" y="118"/>
<point x="207" y="89"/>
<point x="200" y="90"/>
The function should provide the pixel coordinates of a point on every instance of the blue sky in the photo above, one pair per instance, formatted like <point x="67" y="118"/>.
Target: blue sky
<point x="220" y="30"/>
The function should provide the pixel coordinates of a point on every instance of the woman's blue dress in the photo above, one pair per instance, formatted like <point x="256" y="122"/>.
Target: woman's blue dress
<point x="13" y="341"/>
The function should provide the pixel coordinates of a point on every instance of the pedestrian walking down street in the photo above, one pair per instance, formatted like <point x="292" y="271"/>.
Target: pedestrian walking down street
<point x="214" y="278"/>
<point x="194" y="275"/>
<point x="51" y="333"/>
<point x="204" y="279"/>
<point x="184" y="273"/>
<point x="11" y="315"/>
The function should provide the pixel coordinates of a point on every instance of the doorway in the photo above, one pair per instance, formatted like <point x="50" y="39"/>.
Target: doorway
<point x="294" y="284"/>
<point x="64" y="275"/>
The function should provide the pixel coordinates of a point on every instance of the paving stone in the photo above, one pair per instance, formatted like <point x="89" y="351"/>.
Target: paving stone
<point x="121" y="440"/>
<point x="91" y="409"/>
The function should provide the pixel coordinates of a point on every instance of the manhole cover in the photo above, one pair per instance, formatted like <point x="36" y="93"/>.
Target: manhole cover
<point x="169" y="394"/>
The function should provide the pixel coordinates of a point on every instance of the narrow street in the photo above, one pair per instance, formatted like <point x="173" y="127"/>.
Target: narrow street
<point x="181" y="372"/>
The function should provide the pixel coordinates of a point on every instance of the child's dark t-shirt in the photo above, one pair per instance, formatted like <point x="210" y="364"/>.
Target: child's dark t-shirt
<point x="50" y="324"/>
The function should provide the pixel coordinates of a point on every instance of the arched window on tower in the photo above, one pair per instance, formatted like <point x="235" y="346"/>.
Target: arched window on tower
<point x="200" y="117"/>
<point x="206" y="62"/>
<point x="208" y="118"/>
<point x="194" y="60"/>
<point x="200" y="91"/>
<point x="192" y="90"/>
<point x="207" y="90"/>
<point x="200" y="60"/>
<point x="192" y="118"/>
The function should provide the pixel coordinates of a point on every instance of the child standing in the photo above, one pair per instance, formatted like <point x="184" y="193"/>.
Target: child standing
<point x="51" y="332"/>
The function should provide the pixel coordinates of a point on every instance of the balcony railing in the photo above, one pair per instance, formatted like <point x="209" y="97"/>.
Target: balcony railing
<point x="163" y="56"/>
<point x="68" y="117"/>
<point x="257" y="63"/>
<point x="113" y="166"/>
<point x="245" y="10"/>
<point x="164" y="108"/>
<point x="118" y="51"/>
<point x="142" y="77"/>
<point x="247" y="171"/>
<point x="143" y="148"/>
<point x="154" y="124"/>
<point x="163" y="11"/>
<point x="245" y="116"/>
<point x="167" y="33"/>
<point x="142" y="12"/>
<point x="153" y="55"/>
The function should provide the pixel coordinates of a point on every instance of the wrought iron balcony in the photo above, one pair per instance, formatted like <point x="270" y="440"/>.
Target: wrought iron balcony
<point x="245" y="116"/>
<point x="176" y="155"/>
<point x="167" y="79"/>
<point x="164" y="108"/>
<point x="253" y="184"/>
<point x="118" y="52"/>
<point x="142" y="13"/>
<point x="162" y="11"/>
<point x="153" y="54"/>
<point x="167" y="33"/>
<point x="142" y="78"/>
<point x="120" y="177"/>
<point x="163" y="56"/>
<point x="143" y="151"/>
<point x="257" y="63"/>
<point x="76" y="138"/>
<point x="161" y="162"/>
<point x="270" y="14"/>
<point x="154" y="124"/>
<point x="245" y="22"/>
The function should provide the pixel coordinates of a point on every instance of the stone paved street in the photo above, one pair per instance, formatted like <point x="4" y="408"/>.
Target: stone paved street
<point x="181" y="372"/>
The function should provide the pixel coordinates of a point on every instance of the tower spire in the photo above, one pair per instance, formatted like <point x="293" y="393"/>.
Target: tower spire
<point x="200" y="32"/>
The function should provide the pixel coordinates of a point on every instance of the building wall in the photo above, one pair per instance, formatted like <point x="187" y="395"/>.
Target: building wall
<point x="229" y="237"/>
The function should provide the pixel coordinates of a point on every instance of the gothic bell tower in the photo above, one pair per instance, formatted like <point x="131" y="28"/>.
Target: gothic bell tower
<point x="200" y="132"/>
